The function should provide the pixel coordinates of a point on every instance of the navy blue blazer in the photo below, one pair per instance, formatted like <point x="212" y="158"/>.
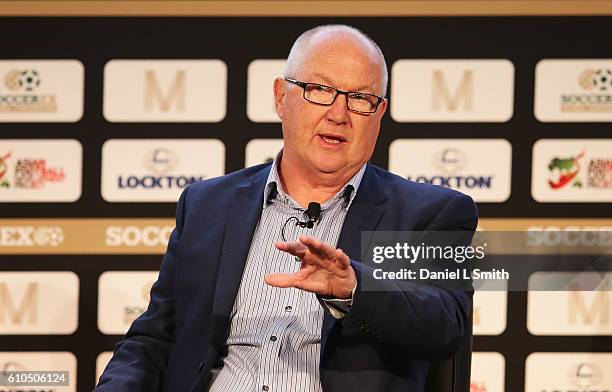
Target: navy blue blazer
<point x="385" y="343"/>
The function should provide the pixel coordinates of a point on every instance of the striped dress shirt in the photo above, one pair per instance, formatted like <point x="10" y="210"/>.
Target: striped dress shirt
<point x="274" y="341"/>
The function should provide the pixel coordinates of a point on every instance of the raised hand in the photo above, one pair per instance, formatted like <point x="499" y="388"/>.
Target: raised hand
<point x="324" y="270"/>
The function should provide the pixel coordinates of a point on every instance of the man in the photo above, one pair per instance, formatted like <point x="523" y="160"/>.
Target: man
<point x="230" y="293"/>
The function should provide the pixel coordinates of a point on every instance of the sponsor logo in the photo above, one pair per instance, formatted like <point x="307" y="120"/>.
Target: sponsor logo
<point x="160" y="162"/>
<point x="567" y="173"/>
<point x="584" y="375"/>
<point x="597" y="313"/>
<point x="29" y="173"/>
<point x="450" y="162"/>
<point x="165" y="90"/>
<point x="40" y="170"/>
<point x="568" y="372"/>
<point x="130" y="236"/>
<point x="564" y="172"/>
<point x="155" y="99"/>
<point x="478" y="168"/>
<point x="123" y="296"/>
<point x="41" y="90"/>
<point x="84" y="236"/>
<point x="45" y="236"/>
<point x="22" y="97"/>
<point x="452" y="90"/>
<point x="583" y="308"/>
<point x="569" y="236"/>
<point x="463" y="96"/>
<point x="4" y="167"/>
<point x="41" y="302"/>
<point x="597" y="92"/>
<point x="573" y="90"/>
<point x="132" y="312"/>
<point x="25" y="312"/>
<point x="157" y="169"/>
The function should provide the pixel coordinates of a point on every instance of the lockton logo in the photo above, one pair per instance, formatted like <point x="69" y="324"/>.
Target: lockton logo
<point x="568" y="372"/>
<point x="585" y="308"/>
<point x="165" y="90"/>
<point x="262" y="151"/>
<point x="45" y="90"/>
<point x="45" y="236"/>
<point x="157" y="170"/>
<point x="480" y="168"/>
<point x="260" y="99"/>
<point x="576" y="170"/>
<point x="123" y="297"/>
<point x="584" y="375"/>
<point x="452" y="90"/>
<point x="40" y="170"/>
<point x="38" y="302"/>
<point x="574" y="90"/>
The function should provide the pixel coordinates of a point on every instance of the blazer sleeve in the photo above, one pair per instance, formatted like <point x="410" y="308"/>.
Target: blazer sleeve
<point x="411" y="319"/>
<point x="139" y="360"/>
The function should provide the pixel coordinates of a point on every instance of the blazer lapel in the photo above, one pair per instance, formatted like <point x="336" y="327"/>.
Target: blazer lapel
<point x="242" y="216"/>
<point x="364" y="214"/>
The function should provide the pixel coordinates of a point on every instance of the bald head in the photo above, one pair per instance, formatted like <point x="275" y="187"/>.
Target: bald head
<point x="320" y="36"/>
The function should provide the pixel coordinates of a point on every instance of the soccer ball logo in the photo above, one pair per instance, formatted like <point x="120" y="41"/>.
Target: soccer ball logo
<point x="600" y="79"/>
<point x="29" y="79"/>
<point x="603" y="79"/>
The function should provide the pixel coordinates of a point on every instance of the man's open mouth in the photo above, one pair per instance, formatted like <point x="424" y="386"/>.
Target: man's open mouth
<point x="332" y="139"/>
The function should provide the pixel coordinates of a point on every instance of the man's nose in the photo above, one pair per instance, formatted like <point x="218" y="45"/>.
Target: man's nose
<point x="338" y="111"/>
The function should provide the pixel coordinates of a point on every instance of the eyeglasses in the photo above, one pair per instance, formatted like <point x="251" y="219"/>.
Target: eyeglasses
<point x="326" y="95"/>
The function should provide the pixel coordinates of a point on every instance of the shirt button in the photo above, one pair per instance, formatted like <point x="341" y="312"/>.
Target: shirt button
<point x="265" y="388"/>
<point x="288" y="309"/>
<point x="273" y="338"/>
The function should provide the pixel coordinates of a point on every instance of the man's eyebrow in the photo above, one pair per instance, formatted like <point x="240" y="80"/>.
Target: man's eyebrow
<point x="363" y="88"/>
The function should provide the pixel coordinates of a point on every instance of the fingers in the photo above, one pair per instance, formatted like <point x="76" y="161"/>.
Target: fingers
<point x="318" y="247"/>
<point x="343" y="260"/>
<point x="294" y="248"/>
<point x="282" y="280"/>
<point x="321" y="253"/>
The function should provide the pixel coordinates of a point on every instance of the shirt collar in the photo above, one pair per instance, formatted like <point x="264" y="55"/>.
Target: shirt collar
<point x="274" y="188"/>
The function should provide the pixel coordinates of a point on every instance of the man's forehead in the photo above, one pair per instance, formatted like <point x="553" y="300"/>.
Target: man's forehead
<point x="329" y="80"/>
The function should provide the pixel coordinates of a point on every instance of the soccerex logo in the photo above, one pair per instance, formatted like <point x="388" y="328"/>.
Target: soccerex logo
<point x="131" y="236"/>
<point x="22" y="97"/>
<point x="31" y="236"/>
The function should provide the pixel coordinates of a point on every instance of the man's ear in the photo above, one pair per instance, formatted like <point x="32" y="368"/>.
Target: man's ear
<point x="383" y="107"/>
<point x="279" y="96"/>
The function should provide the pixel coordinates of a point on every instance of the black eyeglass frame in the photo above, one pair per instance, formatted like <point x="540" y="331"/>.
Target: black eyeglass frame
<point x="345" y="93"/>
